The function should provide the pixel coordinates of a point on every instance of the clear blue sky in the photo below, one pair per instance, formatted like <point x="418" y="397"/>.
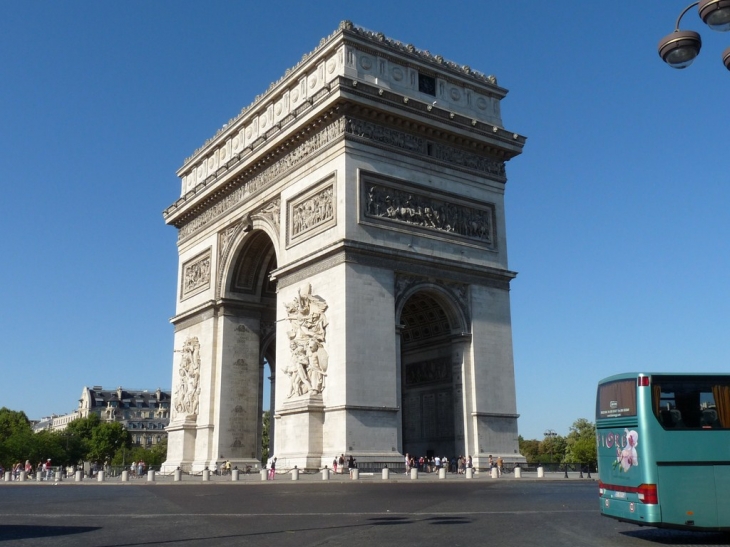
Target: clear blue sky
<point x="617" y="212"/>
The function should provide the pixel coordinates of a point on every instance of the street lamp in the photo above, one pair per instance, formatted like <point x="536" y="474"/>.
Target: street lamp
<point x="681" y="47"/>
<point x="551" y="433"/>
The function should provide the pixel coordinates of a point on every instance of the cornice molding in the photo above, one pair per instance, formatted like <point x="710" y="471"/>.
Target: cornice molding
<point x="349" y="33"/>
<point x="447" y="270"/>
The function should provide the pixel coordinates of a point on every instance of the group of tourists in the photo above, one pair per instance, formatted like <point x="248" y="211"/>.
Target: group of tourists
<point x="138" y="469"/>
<point x="432" y="464"/>
<point x="339" y="463"/>
<point x="42" y="471"/>
<point x="498" y="464"/>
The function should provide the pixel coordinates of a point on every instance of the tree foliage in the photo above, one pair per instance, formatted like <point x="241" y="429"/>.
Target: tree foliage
<point x="84" y="439"/>
<point x="265" y="437"/>
<point x="581" y="442"/>
<point x="578" y="447"/>
<point x="106" y="439"/>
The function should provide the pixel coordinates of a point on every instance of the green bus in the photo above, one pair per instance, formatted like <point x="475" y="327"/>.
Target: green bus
<point x="664" y="449"/>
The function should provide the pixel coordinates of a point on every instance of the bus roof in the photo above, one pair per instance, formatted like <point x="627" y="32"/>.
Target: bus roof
<point x="631" y="375"/>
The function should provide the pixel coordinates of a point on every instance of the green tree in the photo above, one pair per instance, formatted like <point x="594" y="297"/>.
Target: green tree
<point x="77" y="438"/>
<point x="530" y="449"/>
<point x="581" y="442"/>
<point x="154" y="456"/>
<point x="265" y="437"/>
<point x="106" y="439"/>
<point x="16" y="437"/>
<point x="47" y="445"/>
<point x="552" y="449"/>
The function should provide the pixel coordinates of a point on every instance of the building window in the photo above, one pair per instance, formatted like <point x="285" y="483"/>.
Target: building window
<point x="427" y="84"/>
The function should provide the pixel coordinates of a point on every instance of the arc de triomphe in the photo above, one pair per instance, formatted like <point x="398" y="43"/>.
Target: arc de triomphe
<point x="348" y="229"/>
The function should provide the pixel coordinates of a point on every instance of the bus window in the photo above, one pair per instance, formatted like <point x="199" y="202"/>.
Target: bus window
<point x="616" y="399"/>
<point x="697" y="403"/>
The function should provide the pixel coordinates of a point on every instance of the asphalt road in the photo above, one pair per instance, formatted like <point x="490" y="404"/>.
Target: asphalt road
<point x="300" y="514"/>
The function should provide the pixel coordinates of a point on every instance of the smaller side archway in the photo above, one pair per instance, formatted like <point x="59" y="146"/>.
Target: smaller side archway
<point x="431" y="334"/>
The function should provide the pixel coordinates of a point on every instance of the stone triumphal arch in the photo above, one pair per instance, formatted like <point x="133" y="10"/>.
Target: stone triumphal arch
<point x="347" y="229"/>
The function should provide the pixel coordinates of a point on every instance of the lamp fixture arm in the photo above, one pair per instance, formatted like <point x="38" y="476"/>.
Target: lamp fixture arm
<point x="693" y="4"/>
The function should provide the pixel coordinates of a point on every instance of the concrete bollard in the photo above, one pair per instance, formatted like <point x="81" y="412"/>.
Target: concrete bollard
<point x="206" y="475"/>
<point x="22" y="476"/>
<point x="442" y="473"/>
<point x="540" y="472"/>
<point x="469" y="472"/>
<point x="518" y="472"/>
<point x="494" y="473"/>
<point x="234" y="475"/>
<point x="78" y="476"/>
<point x="386" y="473"/>
<point x="7" y="476"/>
<point x="295" y="474"/>
<point x="58" y="476"/>
<point x="355" y="474"/>
<point x="100" y="476"/>
<point x="125" y="476"/>
<point x="264" y="474"/>
<point x="177" y="477"/>
<point x="39" y="476"/>
<point x="325" y="474"/>
<point x="151" y="475"/>
<point x="414" y="473"/>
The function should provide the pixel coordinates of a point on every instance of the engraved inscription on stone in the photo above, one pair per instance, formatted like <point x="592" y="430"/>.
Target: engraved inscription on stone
<point x="430" y="212"/>
<point x="196" y="275"/>
<point x="312" y="212"/>
<point x="307" y="335"/>
<point x="187" y="389"/>
<point x="385" y="135"/>
<point x="442" y="152"/>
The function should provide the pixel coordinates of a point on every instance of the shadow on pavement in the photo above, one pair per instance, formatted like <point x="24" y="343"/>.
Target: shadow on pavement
<point x="18" y="531"/>
<point x="679" y="537"/>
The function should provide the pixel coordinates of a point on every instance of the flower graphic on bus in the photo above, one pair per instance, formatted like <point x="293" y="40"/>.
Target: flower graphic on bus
<point x="627" y="457"/>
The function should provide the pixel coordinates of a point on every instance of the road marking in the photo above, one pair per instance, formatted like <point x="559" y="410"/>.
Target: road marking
<point x="260" y="515"/>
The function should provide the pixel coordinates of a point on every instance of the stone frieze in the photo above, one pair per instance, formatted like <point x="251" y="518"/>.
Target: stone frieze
<point x="196" y="275"/>
<point x="409" y="208"/>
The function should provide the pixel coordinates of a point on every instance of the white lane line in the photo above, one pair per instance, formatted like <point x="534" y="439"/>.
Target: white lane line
<point x="259" y="515"/>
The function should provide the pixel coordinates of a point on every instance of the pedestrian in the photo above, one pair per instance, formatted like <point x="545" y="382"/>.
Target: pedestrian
<point x="351" y="465"/>
<point x="408" y="463"/>
<point x="491" y="462"/>
<point x="500" y="465"/>
<point x="341" y="463"/>
<point x="271" y="466"/>
<point x="133" y="469"/>
<point x="334" y="464"/>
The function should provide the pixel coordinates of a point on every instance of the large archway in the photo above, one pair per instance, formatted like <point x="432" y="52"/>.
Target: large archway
<point x="431" y="398"/>
<point x="250" y="284"/>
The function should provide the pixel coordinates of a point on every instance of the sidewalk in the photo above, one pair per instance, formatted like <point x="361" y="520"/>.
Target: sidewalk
<point x="255" y="478"/>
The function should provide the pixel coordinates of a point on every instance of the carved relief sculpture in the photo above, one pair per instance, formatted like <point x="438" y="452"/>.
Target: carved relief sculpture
<point x="308" y="367"/>
<point x="405" y="207"/>
<point x="187" y="390"/>
<point x="196" y="275"/>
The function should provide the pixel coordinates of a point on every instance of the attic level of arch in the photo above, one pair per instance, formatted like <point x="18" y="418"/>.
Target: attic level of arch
<point x="480" y="141"/>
